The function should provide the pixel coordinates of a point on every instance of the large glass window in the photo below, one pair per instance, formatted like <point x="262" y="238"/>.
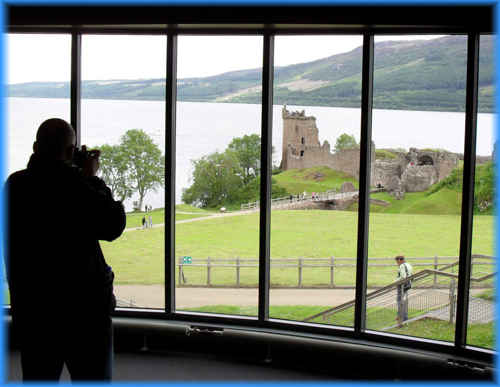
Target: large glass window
<point x="316" y="134"/>
<point x="416" y="174"/>
<point x="123" y="114"/>
<point x="481" y="323"/>
<point x="415" y="201"/>
<point x="38" y="76"/>
<point x="218" y="170"/>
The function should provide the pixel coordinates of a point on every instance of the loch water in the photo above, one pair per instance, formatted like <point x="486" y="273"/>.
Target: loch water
<point x="203" y="128"/>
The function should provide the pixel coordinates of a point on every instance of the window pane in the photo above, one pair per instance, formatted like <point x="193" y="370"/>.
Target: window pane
<point x="418" y="131"/>
<point x="35" y="92"/>
<point x="481" y="324"/>
<point x="315" y="178"/>
<point x="123" y="113"/>
<point x="218" y="169"/>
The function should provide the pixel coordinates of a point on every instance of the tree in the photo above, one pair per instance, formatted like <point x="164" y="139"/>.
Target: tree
<point x="145" y="163"/>
<point x="217" y="179"/>
<point x="114" y="170"/>
<point x="227" y="178"/>
<point x="247" y="150"/>
<point x="345" y="141"/>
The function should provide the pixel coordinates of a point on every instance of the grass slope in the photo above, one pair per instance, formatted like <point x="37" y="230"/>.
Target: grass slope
<point x="138" y="256"/>
<point x="316" y="179"/>
<point x="442" y="202"/>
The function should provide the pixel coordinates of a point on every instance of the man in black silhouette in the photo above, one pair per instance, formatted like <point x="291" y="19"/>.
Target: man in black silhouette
<point x="61" y="289"/>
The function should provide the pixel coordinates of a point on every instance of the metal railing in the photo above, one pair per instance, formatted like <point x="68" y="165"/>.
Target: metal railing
<point x="293" y="200"/>
<point x="384" y="309"/>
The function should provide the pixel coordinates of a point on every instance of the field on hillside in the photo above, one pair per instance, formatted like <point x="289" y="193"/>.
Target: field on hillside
<point x="138" y="256"/>
<point x="316" y="179"/>
<point x="443" y="202"/>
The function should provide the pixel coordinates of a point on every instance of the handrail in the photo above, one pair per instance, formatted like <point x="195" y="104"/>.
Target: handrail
<point x="421" y="274"/>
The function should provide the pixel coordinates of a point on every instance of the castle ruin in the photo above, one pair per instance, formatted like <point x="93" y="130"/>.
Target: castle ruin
<point x="411" y="171"/>
<point x="302" y="149"/>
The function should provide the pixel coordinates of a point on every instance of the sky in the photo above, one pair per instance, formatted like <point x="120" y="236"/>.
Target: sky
<point x="143" y="57"/>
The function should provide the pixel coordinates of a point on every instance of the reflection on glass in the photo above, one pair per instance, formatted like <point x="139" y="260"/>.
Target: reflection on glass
<point x="418" y="172"/>
<point x="218" y="172"/>
<point x="481" y="324"/>
<point x="315" y="180"/>
<point x="35" y="93"/>
<point x="123" y="114"/>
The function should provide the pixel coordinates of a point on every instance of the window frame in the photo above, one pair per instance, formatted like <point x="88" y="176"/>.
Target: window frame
<point x="209" y="26"/>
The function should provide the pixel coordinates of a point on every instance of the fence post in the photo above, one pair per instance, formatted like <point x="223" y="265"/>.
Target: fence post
<point x="435" y="268"/>
<point x="238" y="272"/>
<point x="208" y="271"/>
<point x="331" y="271"/>
<point x="180" y="270"/>
<point x="452" y="300"/>
<point x="300" y="273"/>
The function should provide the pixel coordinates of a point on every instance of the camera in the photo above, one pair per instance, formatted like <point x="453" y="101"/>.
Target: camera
<point x="80" y="156"/>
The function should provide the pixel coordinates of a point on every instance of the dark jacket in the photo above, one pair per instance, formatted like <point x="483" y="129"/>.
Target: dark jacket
<point x="55" y="266"/>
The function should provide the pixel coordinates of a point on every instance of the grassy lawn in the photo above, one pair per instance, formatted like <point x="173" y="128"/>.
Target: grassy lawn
<point x="480" y="335"/>
<point x="137" y="256"/>
<point x="443" y="202"/>
<point x="316" y="179"/>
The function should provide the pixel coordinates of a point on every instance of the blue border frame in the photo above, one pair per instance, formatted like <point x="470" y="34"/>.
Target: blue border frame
<point x="3" y="110"/>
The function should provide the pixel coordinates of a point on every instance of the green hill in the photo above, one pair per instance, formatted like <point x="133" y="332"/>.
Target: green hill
<point x="442" y="202"/>
<point x="316" y="179"/>
<point x="409" y="75"/>
<point x="445" y="197"/>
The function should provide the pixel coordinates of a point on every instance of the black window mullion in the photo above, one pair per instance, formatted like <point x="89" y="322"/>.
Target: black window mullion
<point x="75" y="84"/>
<point x="364" y="181"/>
<point x="464" y="268"/>
<point x="265" y="177"/>
<point x="170" y="154"/>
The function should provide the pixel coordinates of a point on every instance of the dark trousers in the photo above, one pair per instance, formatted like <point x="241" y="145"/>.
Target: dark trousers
<point x="402" y="301"/>
<point x="86" y="349"/>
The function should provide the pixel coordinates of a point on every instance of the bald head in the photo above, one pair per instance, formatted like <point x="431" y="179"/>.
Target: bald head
<point x="55" y="139"/>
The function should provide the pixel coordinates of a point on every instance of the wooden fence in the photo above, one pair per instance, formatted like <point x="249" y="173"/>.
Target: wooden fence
<point x="302" y="264"/>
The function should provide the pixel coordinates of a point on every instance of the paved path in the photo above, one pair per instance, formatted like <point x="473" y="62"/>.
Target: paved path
<point x="153" y="296"/>
<point x="221" y="215"/>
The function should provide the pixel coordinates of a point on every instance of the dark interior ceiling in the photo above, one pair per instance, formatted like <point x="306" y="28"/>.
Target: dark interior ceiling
<point x="380" y="19"/>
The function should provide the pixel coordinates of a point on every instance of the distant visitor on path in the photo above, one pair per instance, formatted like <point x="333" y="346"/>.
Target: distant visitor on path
<point x="404" y="271"/>
<point x="61" y="288"/>
<point x="144" y="224"/>
<point x="150" y="221"/>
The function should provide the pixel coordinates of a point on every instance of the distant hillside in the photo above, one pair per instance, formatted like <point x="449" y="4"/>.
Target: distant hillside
<point x="409" y="75"/>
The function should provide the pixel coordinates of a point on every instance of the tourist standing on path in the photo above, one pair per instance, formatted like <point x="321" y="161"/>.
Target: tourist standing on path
<point x="144" y="224"/>
<point x="150" y="221"/>
<point x="404" y="271"/>
<point x="61" y="288"/>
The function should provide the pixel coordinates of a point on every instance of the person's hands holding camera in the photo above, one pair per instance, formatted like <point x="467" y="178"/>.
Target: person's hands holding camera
<point x="91" y="162"/>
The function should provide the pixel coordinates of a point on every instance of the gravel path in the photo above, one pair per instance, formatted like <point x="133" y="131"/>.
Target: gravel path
<point x="152" y="296"/>
<point x="222" y="215"/>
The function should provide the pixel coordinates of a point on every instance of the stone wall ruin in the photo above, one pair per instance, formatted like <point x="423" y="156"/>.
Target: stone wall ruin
<point x="413" y="171"/>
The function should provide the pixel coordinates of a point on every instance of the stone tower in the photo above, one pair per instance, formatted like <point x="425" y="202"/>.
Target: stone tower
<point x="299" y="132"/>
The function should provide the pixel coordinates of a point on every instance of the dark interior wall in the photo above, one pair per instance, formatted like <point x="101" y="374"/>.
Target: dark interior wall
<point x="322" y="357"/>
<point x="390" y="18"/>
